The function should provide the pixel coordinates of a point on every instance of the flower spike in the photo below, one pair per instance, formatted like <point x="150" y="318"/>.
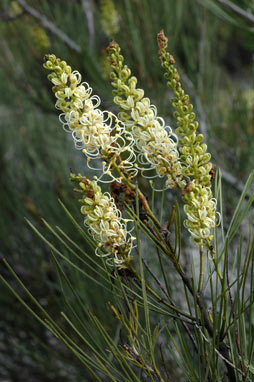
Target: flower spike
<point x="105" y="223"/>
<point x="99" y="134"/>
<point x="200" y="206"/>
<point x="156" y="144"/>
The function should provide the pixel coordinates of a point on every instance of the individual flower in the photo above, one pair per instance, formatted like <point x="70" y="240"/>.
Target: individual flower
<point x="155" y="143"/>
<point x="200" y="206"/>
<point x="105" y="222"/>
<point x="100" y="134"/>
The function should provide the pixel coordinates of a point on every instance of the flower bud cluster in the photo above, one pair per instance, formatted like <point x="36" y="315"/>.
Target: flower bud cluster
<point x="100" y="134"/>
<point x="104" y="222"/>
<point x="200" y="206"/>
<point x="155" y="142"/>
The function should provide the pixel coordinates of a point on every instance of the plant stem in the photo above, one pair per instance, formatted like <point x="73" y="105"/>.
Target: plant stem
<point x="199" y="297"/>
<point x="141" y="196"/>
<point x="201" y="269"/>
<point x="154" y="294"/>
<point x="216" y="265"/>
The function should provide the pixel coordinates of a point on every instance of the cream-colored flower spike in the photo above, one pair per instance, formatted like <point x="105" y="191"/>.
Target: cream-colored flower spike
<point x="105" y="222"/>
<point x="200" y="206"/>
<point x="155" y="143"/>
<point x="99" y="134"/>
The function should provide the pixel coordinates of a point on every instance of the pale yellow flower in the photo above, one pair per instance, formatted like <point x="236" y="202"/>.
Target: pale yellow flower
<point x="200" y="209"/>
<point x="99" y="134"/>
<point x="200" y="206"/>
<point x="105" y="223"/>
<point x="156" y="144"/>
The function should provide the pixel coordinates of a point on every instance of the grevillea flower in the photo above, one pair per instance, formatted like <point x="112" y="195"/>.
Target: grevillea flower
<point x="155" y="142"/>
<point x="200" y="206"/>
<point x="99" y="134"/>
<point x="105" y="222"/>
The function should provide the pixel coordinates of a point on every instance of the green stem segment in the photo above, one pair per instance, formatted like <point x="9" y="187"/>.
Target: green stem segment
<point x="201" y="269"/>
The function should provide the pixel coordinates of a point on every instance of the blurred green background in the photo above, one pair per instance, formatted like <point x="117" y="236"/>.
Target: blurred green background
<point x="212" y="42"/>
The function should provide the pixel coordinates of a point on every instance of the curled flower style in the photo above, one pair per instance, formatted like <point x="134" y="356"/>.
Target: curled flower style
<point x="99" y="134"/>
<point x="200" y="206"/>
<point x="105" y="222"/>
<point x="155" y="143"/>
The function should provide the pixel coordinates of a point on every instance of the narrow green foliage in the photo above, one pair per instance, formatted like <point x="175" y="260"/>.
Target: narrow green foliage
<point x="136" y="299"/>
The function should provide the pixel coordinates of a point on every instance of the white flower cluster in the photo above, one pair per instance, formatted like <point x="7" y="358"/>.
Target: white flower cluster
<point x="105" y="222"/>
<point x="156" y="144"/>
<point x="100" y="134"/>
<point x="200" y="209"/>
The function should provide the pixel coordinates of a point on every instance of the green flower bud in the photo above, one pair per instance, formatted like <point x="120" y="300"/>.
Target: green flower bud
<point x="198" y="150"/>
<point x="199" y="138"/>
<point x="205" y="158"/>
